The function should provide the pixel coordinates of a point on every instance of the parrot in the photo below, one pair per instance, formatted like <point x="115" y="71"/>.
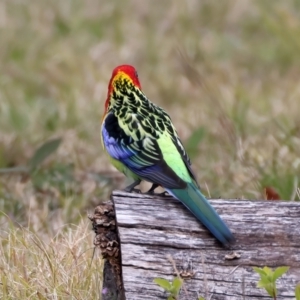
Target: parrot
<point x="143" y="144"/>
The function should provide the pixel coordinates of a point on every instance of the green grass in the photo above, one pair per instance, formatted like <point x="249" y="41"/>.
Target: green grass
<point x="227" y="73"/>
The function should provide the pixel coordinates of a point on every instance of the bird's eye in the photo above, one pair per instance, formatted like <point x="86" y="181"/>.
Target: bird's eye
<point x="136" y="74"/>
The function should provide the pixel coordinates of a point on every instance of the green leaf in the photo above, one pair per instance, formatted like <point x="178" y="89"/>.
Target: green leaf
<point x="263" y="282"/>
<point x="268" y="271"/>
<point x="164" y="283"/>
<point x="191" y="144"/>
<point x="196" y="137"/>
<point x="279" y="272"/>
<point x="19" y="169"/>
<point x="176" y="285"/>
<point x="59" y="176"/>
<point x="271" y="289"/>
<point x="260" y="271"/>
<point x="297" y="291"/>
<point x="43" y="152"/>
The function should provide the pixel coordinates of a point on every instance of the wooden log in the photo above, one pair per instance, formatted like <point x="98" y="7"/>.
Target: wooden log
<point x="107" y="240"/>
<point x="159" y="237"/>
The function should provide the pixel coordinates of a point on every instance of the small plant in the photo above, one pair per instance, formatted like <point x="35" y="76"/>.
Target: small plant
<point x="297" y="291"/>
<point x="268" y="279"/>
<point x="172" y="288"/>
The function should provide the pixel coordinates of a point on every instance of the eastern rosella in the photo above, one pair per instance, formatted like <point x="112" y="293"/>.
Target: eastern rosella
<point x="143" y="144"/>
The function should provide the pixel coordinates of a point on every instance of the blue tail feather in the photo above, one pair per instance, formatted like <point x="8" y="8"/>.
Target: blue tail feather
<point x="196" y="202"/>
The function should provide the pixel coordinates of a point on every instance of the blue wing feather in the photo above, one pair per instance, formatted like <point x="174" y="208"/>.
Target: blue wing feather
<point x="148" y="164"/>
<point x="114" y="148"/>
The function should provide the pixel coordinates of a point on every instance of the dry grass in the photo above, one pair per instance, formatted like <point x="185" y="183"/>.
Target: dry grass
<point x="62" y="268"/>
<point x="227" y="73"/>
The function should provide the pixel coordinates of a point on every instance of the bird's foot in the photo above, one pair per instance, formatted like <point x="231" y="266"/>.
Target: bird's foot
<point x="137" y="191"/>
<point x="163" y="194"/>
<point x="152" y="189"/>
<point x="131" y="188"/>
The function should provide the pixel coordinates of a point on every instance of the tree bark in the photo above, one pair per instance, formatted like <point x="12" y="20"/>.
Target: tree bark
<point x="159" y="237"/>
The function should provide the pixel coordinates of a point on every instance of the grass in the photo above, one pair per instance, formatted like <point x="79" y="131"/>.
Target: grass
<point x="228" y="75"/>
<point x="33" y="269"/>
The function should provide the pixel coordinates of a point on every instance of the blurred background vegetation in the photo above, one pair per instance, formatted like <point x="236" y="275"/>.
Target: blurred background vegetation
<point x="227" y="72"/>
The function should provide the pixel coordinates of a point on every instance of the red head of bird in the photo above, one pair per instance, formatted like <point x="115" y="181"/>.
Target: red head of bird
<point x="121" y="74"/>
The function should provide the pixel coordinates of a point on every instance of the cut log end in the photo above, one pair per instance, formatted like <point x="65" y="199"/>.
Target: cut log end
<point x="107" y="240"/>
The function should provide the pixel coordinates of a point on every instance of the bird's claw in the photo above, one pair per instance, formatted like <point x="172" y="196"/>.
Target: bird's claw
<point x="152" y="193"/>
<point x="151" y="190"/>
<point x="163" y="194"/>
<point x="132" y="190"/>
